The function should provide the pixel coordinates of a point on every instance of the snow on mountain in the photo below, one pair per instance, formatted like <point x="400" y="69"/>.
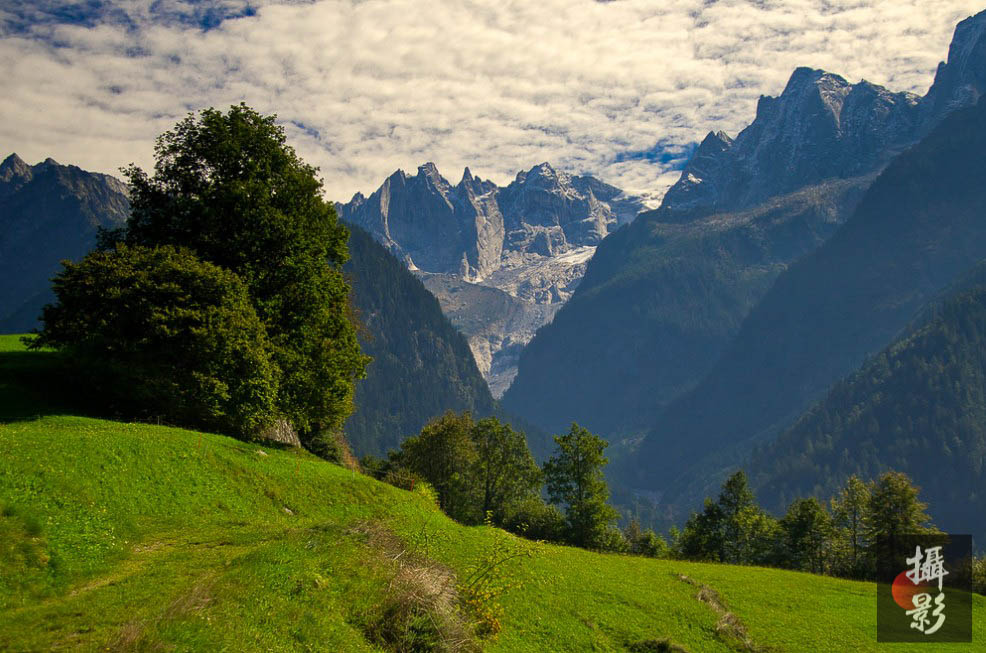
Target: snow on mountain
<point x="530" y="239"/>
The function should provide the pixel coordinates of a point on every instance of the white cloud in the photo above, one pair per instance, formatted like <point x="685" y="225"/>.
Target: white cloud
<point x="498" y="85"/>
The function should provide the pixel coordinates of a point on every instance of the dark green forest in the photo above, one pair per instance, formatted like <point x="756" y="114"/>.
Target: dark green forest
<point x="919" y="406"/>
<point x="422" y="365"/>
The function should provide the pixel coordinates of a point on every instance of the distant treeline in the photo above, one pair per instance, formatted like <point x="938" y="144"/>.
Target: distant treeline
<point x="484" y="472"/>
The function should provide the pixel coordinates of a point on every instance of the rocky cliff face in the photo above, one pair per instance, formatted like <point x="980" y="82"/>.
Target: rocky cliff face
<point x="960" y="81"/>
<point x="530" y="239"/>
<point x="48" y="212"/>
<point x="662" y="299"/>
<point x="822" y="127"/>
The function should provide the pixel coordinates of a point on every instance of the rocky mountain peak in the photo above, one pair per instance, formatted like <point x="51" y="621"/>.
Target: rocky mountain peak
<point x="960" y="81"/>
<point x="530" y="239"/>
<point x="13" y="169"/>
<point x="809" y="92"/>
<point x="821" y="127"/>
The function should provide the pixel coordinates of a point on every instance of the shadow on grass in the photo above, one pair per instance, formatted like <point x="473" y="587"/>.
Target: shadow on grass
<point x="32" y="385"/>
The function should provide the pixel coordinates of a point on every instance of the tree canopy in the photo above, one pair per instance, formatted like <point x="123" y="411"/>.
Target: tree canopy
<point x="574" y="476"/>
<point x="160" y="333"/>
<point x="228" y="188"/>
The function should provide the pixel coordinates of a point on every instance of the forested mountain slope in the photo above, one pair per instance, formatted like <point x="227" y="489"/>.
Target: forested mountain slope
<point x="920" y="226"/>
<point x="662" y="297"/>
<point x="919" y="407"/>
<point x="421" y="365"/>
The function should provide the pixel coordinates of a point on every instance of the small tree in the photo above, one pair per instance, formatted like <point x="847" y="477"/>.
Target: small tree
<point x="157" y="332"/>
<point x="807" y="528"/>
<point x="731" y="529"/>
<point x="575" y="480"/>
<point x="644" y="542"/>
<point x="444" y="455"/>
<point x="894" y="510"/>
<point x="504" y="470"/>
<point x="849" y="510"/>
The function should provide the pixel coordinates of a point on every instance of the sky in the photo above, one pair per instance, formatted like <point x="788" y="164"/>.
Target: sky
<point x="621" y="90"/>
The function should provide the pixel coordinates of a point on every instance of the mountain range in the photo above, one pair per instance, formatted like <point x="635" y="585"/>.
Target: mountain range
<point x="48" y="212"/>
<point x="664" y="296"/>
<point x="919" y="228"/>
<point x="529" y="239"/>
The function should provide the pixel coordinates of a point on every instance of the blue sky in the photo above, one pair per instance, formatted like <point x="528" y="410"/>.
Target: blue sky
<point x="619" y="89"/>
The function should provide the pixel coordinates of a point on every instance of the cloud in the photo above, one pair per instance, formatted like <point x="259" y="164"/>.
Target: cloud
<point x="365" y="87"/>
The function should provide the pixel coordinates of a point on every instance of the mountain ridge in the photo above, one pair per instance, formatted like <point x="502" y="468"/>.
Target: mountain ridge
<point x="822" y="135"/>
<point x="530" y="239"/>
<point x="48" y="212"/>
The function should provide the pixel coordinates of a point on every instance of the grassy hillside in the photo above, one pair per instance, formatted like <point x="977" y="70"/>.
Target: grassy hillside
<point x="140" y="537"/>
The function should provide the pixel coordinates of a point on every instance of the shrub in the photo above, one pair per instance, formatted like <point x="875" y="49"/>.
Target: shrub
<point x="155" y="332"/>
<point x="979" y="576"/>
<point x="534" y="519"/>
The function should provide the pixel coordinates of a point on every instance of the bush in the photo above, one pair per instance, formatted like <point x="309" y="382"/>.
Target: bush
<point x="534" y="519"/>
<point x="645" y="542"/>
<point x="979" y="576"/>
<point x="155" y="332"/>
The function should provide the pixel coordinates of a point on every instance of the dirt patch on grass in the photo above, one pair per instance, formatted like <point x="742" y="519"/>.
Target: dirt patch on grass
<point x="729" y="628"/>
<point x="420" y="608"/>
<point x="656" y="646"/>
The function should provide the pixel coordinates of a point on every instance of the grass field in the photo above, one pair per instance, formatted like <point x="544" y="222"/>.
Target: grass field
<point x="117" y="536"/>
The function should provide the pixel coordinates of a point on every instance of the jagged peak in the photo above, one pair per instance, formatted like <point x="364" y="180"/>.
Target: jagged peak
<point x="806" y="83"/>
<point x="968" y="33"/>
<point x="13" y="167"/>
<point x="50" y="162"/>
<point x="398" y="174"/>
<point x="12" y="161"/>
<point x="542" y="170"/>
<point x="466" y="175"/>
<point x="428" y="168"/>
<point x="714" y="141"/>
<point x="804" y="78"/>
<point x="429" y="172"/>
<point x="962" y="80"/>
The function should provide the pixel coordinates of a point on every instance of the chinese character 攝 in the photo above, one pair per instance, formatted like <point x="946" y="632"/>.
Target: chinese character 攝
<point x="931" y="568"/>
<point x="927" y="568"/>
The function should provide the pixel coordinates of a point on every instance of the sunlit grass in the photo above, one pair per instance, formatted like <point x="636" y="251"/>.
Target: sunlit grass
<point x="138" y="537"/>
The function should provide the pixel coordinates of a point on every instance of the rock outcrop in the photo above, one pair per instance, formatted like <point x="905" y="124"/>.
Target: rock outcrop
<point x="530" y="239"/>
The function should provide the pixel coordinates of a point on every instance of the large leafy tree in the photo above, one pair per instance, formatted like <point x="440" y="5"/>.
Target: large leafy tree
<point x="574" y="477"/>
<point x="227" y="186"/>
<point x="444" y="455"/>
<point x="158" y="332"/>
<point x="504" y="471"/>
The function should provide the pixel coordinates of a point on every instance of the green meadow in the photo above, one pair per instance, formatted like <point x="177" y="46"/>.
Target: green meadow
<point x="120" y="536"/>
